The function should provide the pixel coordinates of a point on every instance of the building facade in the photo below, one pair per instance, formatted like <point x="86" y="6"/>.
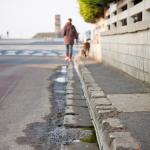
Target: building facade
<point x="125" y="39"/>
<point x="57" y="25"/>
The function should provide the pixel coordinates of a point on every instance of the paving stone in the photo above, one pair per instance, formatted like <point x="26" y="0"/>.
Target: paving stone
<point x="88" y="80"/>
<point x="69" y="91"/>
<point x="71" y="81"/>
<point x="77" y="121"/>
<point x="80" y="146"/>
<point x="79" y="103"/>
<point x="103" y="114"/>
<point x="75" y="97"/>
<point x="94" y="85"/>
<point x="72" y="110"/>
<point x="131" y="102"/>
<point x="124" y="141"/>
<point x="87" y="76"/>
<point x="94" y="89"/>
<point x="113" y="122"/>
<point x="75" y="92"/>
<point x="101" y="102"/>
<point x="97" y="94"/>
<point x="69" y="87"/>
<point x="99" y="108"/>
<point x="83" y="69"/>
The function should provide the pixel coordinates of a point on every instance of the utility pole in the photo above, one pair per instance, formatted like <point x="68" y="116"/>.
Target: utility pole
<point x="7" y="35"/>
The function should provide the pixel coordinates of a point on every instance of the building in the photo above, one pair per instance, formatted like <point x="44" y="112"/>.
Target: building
<point x="57" y="25"/>
<point x="49" y="35"/>
<point x="124" y="35"/>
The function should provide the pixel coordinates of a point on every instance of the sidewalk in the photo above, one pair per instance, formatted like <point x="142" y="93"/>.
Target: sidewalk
<point x="119" y="106"/>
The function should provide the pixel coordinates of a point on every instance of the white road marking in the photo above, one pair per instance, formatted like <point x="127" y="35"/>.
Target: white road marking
<point x="31" y="53"/>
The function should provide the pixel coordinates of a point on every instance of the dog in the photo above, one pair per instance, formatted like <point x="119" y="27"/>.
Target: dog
<point x="85" y="49"/>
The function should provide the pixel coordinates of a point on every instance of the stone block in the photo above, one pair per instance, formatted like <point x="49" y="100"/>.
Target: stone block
<point x="69" y="91"/>
<point x="77" y="121"/>
<point x="123" y="141"/>
<point x="72" y="110"/>
<point x="80" y="146"/>
<point x="77" y="103"/>
<point x="69" y="87"/>
<point x="101" y="102"/>
<point x="88" y="79"/>
<point x="75" y="97"/>
<point x="94" y="89"/>
<point x="94" y="85"/>
<point x="84" y="69"/>
<point x="97" y="94"/>
<point x="104" y="114"/>
<point x="73" y="91"/>
<point x="114" y="123"/>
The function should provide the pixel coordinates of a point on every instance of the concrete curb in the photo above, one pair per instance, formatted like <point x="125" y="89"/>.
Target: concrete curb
<point x="111" y="133"/>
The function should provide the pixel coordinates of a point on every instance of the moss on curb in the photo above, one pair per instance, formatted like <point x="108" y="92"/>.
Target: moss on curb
<point x="89" y="138"/>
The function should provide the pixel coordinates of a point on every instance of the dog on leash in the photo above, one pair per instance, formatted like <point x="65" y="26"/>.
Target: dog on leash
<point x="85" y="49"/>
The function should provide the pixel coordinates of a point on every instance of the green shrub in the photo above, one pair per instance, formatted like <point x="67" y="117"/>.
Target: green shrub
<point x="92" y="10"/>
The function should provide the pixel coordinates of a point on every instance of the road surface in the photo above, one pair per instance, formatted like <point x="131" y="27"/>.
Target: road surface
<point x="25" y="92"/>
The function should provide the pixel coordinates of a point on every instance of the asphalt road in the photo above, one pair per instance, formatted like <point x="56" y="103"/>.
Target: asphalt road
<point x="24" y="94"/>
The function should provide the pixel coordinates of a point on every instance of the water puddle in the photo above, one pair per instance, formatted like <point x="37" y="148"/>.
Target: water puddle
<point x="60" y="79"/>
<point x="49" y="135"/>
<point x="63" y="69"/>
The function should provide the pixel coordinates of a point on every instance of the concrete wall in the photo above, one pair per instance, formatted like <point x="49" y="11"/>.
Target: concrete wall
<point x="128" y="51"/>
<point x="96" y="52"/>
<point x="124" y="38"/>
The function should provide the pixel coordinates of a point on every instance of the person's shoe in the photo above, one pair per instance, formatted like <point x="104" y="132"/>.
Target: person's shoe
<point x="69" y="59"/>
<point x="66" y="58"/>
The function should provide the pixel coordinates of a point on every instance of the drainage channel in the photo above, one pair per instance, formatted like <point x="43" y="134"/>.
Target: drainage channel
<point x="67" y="127"/>
<point x="76" y="115"/>
<point x="58" y="134"/>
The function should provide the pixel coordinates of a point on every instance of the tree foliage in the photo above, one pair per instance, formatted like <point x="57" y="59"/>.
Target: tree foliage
<point x="91" y="10"/>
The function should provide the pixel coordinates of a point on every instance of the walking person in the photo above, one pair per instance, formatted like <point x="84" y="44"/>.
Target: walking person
<point x="70" y="34"/>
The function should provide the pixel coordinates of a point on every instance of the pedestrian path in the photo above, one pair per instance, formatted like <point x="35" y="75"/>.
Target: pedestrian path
<point x="119" y="105"/>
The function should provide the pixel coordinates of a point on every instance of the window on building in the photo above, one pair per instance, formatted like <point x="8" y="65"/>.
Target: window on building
<point x="136" y="1"/>
<point x="108" y="27"/>
<point x="108" y="16"/>
<point x="137" y="17"/>
<point x="115" y="24"/>
<point x="123" y="8"/>
<point x="115" y="12"/>
<point x="124" y="22"/>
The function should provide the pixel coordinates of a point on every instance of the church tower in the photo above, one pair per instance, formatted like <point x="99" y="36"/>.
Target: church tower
<point x="57" y="25"/>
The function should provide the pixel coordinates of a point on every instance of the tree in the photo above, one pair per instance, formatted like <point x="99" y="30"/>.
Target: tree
<point x="91" y="10"/>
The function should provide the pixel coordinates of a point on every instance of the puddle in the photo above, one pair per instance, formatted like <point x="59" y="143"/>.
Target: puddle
<point x="64" y="136"/>
<point x="49" y="135"/>
<point x="63" y="69"/>
<point x="60" y="79"/>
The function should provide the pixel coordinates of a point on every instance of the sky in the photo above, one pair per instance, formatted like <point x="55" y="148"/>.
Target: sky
<point x="25" y="18"/>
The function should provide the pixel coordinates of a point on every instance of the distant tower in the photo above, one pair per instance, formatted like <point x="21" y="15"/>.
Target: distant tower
<point x="57" y="25"/>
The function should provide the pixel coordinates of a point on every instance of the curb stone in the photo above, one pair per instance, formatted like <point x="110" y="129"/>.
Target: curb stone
<point x="111" y="134"/>
<point x="77" y="114"/>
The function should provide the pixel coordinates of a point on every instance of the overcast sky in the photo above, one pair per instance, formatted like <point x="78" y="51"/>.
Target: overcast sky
<point x="24" y="18"/>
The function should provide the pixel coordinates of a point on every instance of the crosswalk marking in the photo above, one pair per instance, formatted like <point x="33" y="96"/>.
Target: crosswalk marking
<point x="32" y="53"/>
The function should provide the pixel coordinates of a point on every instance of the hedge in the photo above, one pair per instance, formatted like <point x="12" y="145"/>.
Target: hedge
<point x="92" y="10"/>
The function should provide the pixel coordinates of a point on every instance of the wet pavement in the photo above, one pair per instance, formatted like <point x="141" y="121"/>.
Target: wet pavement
<point x="33" y="93"/>
<point x="129" y="96"/>
<point x="52" y="134"/>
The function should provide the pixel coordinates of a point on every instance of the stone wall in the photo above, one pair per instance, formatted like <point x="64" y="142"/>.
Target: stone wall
<point x="123" y="37"/>
<point x="129" y="50"/>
